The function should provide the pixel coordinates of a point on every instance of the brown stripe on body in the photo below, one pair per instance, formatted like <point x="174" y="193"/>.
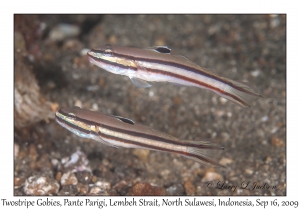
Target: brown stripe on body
<point x="156" y="148"/>
<point x="139" y="134"/>
<point x="196" y="82"/>
<point x="156" y="138"/>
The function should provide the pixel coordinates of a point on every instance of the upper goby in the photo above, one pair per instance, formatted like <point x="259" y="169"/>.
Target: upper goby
<point x="156" y="64"/>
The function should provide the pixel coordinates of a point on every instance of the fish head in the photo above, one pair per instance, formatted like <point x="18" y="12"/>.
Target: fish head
<point x="107" y="58"/>
<point x="70" y="118"/>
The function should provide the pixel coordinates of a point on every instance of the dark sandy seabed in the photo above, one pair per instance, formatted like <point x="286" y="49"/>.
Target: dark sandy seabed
<point x="49" y="160"/>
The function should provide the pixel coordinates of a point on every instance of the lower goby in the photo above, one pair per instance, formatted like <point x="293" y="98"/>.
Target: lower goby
<point x="122" y="132"/>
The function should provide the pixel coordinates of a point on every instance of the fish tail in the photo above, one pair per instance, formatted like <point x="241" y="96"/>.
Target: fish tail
<point x="239" y="92"/>
<point x="203" y="152"/>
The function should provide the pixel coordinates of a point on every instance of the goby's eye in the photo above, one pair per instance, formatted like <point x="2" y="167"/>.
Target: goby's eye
<point x="107" y="52"/>
<point x="72" y="116"/>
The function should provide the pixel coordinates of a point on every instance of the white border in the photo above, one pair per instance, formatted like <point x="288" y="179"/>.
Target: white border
<point x="29" y="6"/>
